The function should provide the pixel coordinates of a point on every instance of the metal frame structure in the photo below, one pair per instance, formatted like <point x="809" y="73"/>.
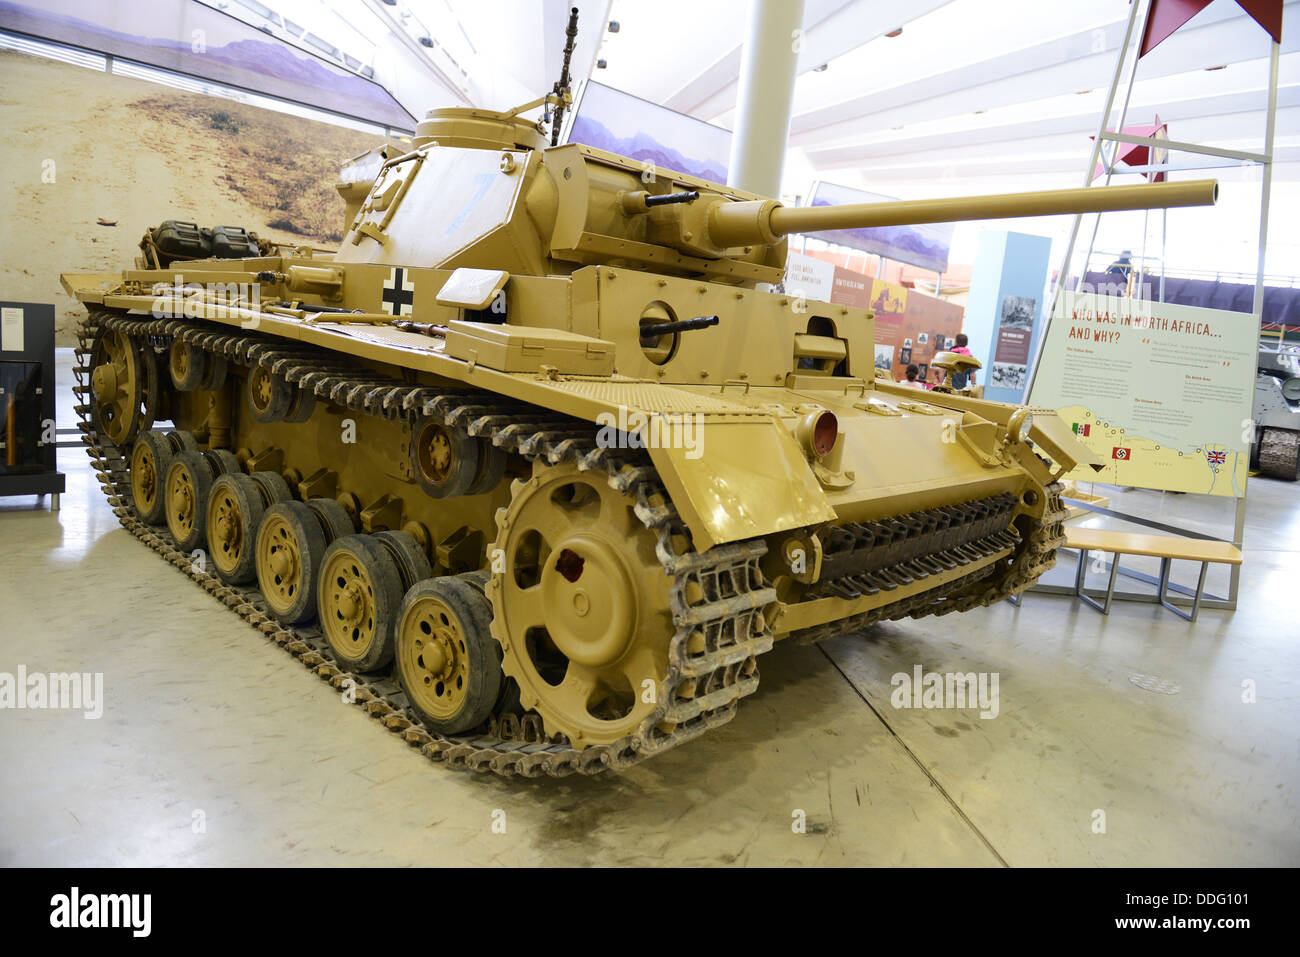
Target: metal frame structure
<point x="1211" y="158"/>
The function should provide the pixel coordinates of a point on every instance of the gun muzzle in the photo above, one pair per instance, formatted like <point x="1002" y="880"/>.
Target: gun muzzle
<point x="653" y="331"/>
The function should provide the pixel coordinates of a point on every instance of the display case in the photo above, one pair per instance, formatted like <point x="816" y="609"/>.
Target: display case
<point x="27" y="433"/>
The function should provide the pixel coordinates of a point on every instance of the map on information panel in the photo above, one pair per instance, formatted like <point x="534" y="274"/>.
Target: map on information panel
<point x="1163" y="394"/>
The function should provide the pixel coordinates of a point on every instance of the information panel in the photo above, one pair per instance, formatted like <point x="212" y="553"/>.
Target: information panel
<point x="1161" y="393"/>
<point x="911" y="327"/>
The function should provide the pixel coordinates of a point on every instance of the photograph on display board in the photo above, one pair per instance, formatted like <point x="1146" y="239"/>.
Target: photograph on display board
<point x="888" y="298"/>
<point x="1007" y="375"/>
<point x="907" y="343"/>
<point x="884" y="357"/>
<point x="922" y="339"/>
<point x="924" y="368"/>
<point x="905" y="356"/>
<point x="940" y="342"/>
<point x="1011" y="351"/>
<point x="1018" y="312"/>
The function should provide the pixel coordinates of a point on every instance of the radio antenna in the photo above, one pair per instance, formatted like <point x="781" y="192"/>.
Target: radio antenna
<point x="561" y="88"/>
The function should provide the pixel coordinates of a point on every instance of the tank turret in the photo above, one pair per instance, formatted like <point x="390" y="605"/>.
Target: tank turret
<point x="480" y="190"/>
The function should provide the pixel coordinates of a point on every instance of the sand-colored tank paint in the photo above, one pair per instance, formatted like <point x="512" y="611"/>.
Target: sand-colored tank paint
<point x="633" y="304"/>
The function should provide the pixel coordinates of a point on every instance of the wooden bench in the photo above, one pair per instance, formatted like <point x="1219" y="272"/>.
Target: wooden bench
<point x="1167" y="548"/>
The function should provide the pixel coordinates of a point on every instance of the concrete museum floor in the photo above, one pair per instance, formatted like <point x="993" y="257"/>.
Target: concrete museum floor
<point x="205" y="721"/>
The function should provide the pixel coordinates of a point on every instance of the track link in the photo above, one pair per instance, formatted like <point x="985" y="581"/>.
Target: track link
<point x="720" y="593"/>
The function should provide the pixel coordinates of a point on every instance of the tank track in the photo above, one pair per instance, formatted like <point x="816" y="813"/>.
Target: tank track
<point x="720" y="594"/>
<point x="1279" y="454"/>
<point x="1035" y="556"/>
<point x="866" y="558"/>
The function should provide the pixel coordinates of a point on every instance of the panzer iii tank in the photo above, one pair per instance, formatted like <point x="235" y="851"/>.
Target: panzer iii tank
<point x="534" y="465"/>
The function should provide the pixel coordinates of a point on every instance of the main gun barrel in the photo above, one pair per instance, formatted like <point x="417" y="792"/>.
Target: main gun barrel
<point x="1053" y="202"/>
<point x="743" y="223"/>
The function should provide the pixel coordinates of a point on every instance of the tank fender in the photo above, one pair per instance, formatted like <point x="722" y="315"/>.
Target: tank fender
<point x="739" y="478"/>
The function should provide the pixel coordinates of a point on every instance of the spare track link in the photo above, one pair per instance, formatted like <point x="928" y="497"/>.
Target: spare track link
<point x="719" y="594"/>
<point x="1036" y="554"/>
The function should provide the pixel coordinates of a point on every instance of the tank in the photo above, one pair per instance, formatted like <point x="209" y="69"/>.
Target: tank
<point x="1275" y="448"/>
<point x="536" y="467"/>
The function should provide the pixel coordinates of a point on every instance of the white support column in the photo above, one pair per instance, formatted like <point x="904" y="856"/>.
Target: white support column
<point x="765" y="95"/>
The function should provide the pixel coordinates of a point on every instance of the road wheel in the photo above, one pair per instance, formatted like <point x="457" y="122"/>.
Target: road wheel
<point x="448" y="663"/>
<point x="358" y="596"/>
<point x="150" y="460"/>
<point x="290" y="547"/>
<point x="189" y="481"/>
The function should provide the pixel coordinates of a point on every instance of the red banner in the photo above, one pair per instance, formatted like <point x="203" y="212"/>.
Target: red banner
<point x="1166" y="16"/>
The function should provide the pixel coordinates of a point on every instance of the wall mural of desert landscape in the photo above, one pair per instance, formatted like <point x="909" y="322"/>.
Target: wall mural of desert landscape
<point x="92" y="159"/>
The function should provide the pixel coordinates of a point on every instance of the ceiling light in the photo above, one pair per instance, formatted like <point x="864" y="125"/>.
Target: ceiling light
<point x="601" y="64"/>
<point x="426" y="41"/>
<point x="613" y="26"/>
<point x="391" y="3"/>
<point x="895" y="33"/>
<point x="821" y="69"/>
<point x="1221" y="66"/>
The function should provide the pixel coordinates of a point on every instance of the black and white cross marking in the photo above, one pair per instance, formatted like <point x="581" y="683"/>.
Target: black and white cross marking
<point x="399" y="293"/>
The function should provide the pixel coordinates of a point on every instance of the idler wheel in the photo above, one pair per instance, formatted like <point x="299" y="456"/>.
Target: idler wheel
<point x="117" y="387"/>
<point x="358" y="596"/>
<point x="447" y="661"/>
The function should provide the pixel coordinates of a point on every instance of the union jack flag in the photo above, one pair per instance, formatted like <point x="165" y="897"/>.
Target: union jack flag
<point x="1216" y="458"/>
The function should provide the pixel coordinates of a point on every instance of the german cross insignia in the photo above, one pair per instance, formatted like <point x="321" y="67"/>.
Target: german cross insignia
<point x="399" y="293"/>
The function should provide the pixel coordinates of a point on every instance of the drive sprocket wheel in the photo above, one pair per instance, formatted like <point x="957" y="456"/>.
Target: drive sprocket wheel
<point x="118" y="386"/>
<point x="581" y="605"/>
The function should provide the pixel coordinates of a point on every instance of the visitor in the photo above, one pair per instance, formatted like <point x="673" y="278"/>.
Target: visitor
<point x="912" y="372"/>
<point x="962" y="379"/>
<point x="1122" y="266"/>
